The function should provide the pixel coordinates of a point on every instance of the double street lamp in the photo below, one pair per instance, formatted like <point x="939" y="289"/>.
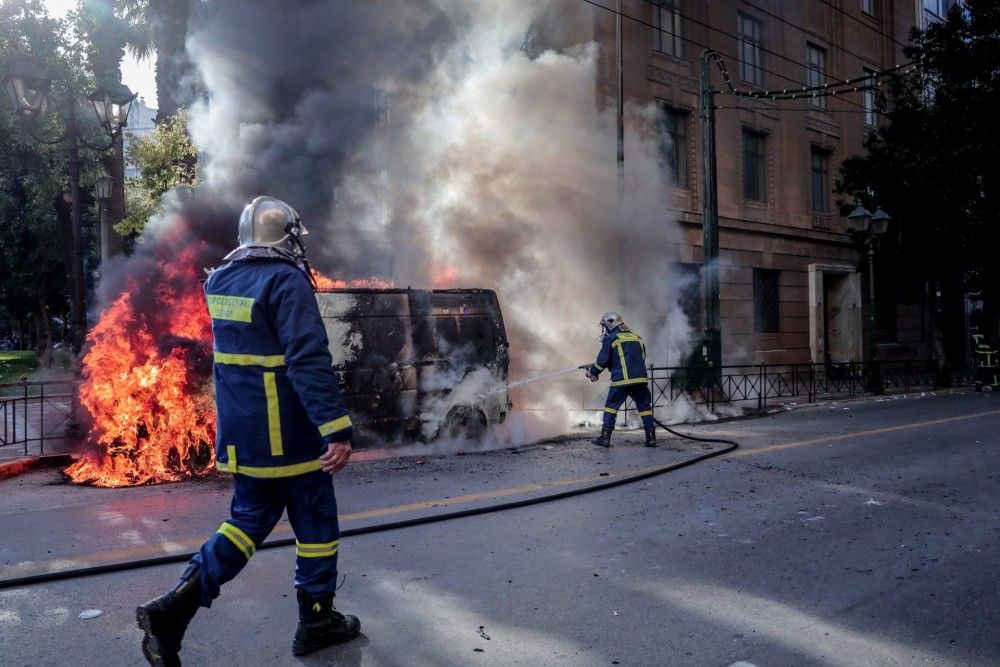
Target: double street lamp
<point x="28" y="88"/>
<point x="867" y="226"/>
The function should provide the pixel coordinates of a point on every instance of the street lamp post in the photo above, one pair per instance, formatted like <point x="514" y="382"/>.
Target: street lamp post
<point x="103" y="188"/>
<point x="867" y="226"/>
<point x="28" y="88"/>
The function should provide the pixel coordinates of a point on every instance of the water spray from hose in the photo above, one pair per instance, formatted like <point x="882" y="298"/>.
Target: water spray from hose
<point x="546" y="376"/>
<point x="537" y="378"/>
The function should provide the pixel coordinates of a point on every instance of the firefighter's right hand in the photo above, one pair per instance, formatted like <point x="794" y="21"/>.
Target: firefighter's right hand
<point x="591" y="376"/>
<point x="336" y="456"/>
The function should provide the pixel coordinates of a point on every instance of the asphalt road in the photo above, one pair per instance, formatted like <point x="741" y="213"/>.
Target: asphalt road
<point x="859" y="533"/>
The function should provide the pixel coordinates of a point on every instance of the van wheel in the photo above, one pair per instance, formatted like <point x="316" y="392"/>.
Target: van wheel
<point x="464" y="421"/>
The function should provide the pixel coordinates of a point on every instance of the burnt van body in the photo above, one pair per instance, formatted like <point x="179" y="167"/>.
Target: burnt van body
<point x="415" y="365"/>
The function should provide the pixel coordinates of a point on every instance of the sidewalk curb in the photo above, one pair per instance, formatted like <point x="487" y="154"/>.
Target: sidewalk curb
<point x="31" y="464"/>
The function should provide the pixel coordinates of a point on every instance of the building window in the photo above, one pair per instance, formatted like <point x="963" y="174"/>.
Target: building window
<point x="750" y="30"/>
<point x="667" y="27"/>
<point x="753" y="165"/>
<point x="820" y="170"/>
<point x="766" y="318"/>
<point x="868" y="7"/>
<point x="937" y="10"/>
<point x="939" y="7"/>
<point x="816" y="74"/>
<point x="868" y="98"/>
<point x="673" y="145"/>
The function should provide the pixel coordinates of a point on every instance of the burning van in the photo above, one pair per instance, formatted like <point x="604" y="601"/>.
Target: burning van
<point x="416" y="365"/>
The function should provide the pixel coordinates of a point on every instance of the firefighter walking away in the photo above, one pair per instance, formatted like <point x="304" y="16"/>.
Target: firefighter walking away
<point x="282" y="431"/>
<point x="623" y="354"/>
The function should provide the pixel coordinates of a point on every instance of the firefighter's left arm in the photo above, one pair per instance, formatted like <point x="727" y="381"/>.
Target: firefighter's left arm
<point x="300" y="330"/>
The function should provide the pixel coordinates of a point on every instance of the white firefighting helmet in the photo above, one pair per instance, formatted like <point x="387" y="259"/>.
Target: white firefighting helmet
<point x="267" y="221"/>
<point x="611" y="321"/>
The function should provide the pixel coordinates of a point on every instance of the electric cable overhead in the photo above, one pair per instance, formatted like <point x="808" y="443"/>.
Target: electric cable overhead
<point x="832" y="89"/>
<point x="855" y="18"/>
<point x="798" y="27"/>
<point x="829" y="89"/>
<point x="765" y="50"/>
<point x="798" y="84"/>
<point x="796" y="109"/>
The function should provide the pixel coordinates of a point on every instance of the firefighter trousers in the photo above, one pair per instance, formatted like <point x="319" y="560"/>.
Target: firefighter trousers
<point x="639" y="393"/>
<point x="256" y="507"/>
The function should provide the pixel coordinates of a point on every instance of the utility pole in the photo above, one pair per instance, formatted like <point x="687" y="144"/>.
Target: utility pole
<point x="620" y="157"/>
<point x="712" y="344"/>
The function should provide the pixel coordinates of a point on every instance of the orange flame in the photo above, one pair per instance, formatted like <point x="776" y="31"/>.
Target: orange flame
<point x="146" y="380"/>
<point x="445" y="277"/>
<point x="325" y="284"/>
<point x="145" y="383"/>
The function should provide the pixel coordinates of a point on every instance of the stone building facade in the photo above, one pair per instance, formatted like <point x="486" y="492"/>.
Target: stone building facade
<point x="794" y="283"/>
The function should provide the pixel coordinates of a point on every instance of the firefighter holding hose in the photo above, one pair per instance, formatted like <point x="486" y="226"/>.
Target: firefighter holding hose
<point x="282" y="430"/>
<point x="624" y="354"/>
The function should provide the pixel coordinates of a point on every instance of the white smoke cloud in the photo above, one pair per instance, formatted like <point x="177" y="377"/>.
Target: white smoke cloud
<point x="512" y="182"/>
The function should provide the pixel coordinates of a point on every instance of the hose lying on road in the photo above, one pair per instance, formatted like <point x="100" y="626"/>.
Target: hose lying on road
<point x="76" y="573"/>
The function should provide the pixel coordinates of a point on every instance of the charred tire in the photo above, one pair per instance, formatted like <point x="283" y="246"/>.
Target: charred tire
<point x="464" y="421"/>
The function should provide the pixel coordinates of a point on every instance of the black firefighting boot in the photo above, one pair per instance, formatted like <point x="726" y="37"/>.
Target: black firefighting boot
<point x="603" y="440"/>
<point x="164" y="619"/>
<point x="651" y="436"/>
<point x="321" y="625"/>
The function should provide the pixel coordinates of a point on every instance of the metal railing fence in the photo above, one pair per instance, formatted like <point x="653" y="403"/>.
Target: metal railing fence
<point x="39" y="415"/>
<point x="762" y="382"/>
<point x="36" y="414"/>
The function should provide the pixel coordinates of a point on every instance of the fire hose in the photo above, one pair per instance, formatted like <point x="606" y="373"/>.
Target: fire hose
<point x="76" y="573"/>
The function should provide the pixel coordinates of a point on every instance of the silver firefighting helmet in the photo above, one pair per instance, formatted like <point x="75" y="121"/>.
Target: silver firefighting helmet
<point x="267" y="221"/>
<point x="611" y="321"/>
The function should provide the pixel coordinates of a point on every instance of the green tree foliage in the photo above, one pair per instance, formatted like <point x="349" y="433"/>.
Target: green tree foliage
<point x="35" y="245"/>
<point x="165" y="160"/>
<point x="933" y="162"/>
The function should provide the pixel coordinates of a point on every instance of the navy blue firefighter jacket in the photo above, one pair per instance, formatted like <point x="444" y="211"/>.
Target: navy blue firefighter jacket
<point x="277" y="397"/>
<point x="624" y="353"/>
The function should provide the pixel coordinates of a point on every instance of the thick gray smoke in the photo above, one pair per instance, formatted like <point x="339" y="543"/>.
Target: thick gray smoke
<point x="424" y="143"/>
<point x="295" y="89"/>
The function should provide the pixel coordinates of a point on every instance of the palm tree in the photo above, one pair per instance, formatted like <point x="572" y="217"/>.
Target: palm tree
<point x="161" y="26"/>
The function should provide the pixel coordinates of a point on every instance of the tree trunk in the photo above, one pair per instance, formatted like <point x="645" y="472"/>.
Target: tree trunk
<point x="44" y="328"/>
<point x="62" y="209"/>
<point x="169" y="22"/>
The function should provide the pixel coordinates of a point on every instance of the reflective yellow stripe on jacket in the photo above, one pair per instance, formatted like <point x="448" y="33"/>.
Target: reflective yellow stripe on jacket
<point x="270" y="389"/>
<point x="266" y="472"/>
<point x="273" y="414"/>
<point x="338" y="424"/>
<point x="620" y="383"/>
<point x="619" y="343"/>
<point x="235" y="359"/>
